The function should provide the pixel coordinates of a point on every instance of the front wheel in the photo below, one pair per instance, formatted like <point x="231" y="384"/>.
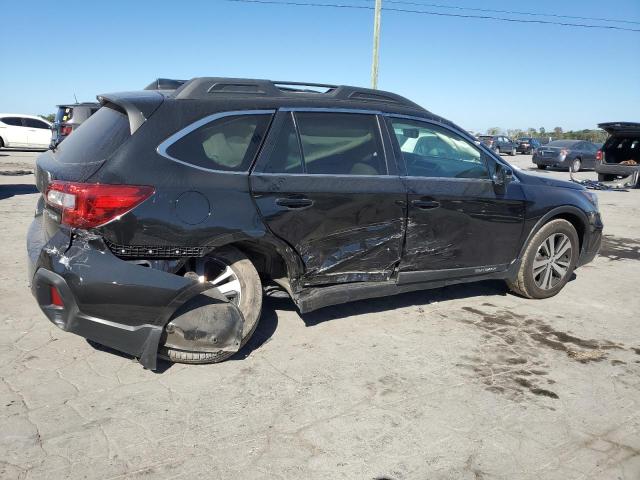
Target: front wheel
<point x="548" y="261"/>
<point x="236" y="278"/>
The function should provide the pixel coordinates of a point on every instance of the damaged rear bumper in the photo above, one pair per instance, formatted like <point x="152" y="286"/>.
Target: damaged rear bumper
<point x="123" y="305"/>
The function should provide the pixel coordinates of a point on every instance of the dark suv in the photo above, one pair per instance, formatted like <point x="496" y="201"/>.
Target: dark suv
<point x="69" y="117"/>
<point x="499" y="143"/>
<point x="163" y="216"/>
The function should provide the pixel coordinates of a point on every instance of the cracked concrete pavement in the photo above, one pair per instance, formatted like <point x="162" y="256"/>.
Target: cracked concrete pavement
<point x="464" y="382"/>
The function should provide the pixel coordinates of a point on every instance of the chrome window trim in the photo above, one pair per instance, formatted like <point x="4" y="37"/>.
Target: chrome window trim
<point x="162" y="148"/>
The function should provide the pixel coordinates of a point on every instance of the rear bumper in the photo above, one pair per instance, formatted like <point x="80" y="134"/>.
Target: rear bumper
<point x="113" y="302"/>
<point x="550" y="161"/>
<point x="616" y="169"/>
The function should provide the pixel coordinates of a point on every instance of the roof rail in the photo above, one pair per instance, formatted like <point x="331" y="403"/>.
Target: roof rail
<point x="203" y="87"/>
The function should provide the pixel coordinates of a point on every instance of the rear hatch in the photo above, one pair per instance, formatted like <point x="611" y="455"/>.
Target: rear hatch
<point x="98" y="138"/>
<point x="623" y="145"/>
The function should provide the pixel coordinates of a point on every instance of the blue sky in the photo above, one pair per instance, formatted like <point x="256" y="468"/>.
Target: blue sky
<point x="478" y="73"/>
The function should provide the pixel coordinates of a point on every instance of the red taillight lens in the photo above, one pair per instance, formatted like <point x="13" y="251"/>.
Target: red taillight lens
<point x="599" y="156"/>
<point x="65" y="130"/>
<point x="88" y="205"/>
<point x="56" y="299"/>
<point x="564" y="152"/>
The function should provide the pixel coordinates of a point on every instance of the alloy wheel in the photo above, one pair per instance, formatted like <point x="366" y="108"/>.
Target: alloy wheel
<point x="552" y="261"/>
<point x="224" y="278"/>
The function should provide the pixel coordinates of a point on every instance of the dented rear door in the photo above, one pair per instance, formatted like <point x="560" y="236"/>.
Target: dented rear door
<point x="338" y="204"/>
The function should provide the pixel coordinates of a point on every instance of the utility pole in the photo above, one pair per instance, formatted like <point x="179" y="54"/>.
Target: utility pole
<point x="376" y="43"/>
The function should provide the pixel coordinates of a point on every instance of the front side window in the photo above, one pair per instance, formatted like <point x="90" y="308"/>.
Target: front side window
<point x="341" y="143"/>
<point x="431" y="151"/>
<point x="228" y="143"/>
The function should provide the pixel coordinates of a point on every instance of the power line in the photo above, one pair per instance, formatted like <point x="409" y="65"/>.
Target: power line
<point x="440" y="14"/>
<point x="511" y="12"/>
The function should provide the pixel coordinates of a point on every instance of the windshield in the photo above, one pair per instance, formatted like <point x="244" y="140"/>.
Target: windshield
<point x="96" y="139"/>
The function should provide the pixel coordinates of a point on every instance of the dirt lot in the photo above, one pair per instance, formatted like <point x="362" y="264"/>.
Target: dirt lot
<point x="465" y="382"/>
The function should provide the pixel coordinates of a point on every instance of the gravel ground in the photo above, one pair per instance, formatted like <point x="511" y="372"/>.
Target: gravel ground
<point x="464" y="382"/>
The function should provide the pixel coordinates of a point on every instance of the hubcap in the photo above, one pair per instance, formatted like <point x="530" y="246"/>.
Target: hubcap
<point x="224" y="278"/>
<point x="552" y="261"/>
<point x="576" y="165"/>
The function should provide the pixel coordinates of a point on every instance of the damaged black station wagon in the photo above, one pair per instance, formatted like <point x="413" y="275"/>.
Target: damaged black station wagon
<point x="163" y="215"/>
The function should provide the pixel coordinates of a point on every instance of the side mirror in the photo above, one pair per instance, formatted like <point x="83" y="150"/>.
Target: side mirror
<point x="502" y="175"/>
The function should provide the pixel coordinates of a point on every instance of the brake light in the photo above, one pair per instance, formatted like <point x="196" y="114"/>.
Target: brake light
<point x="65" y="130"/>
<point x="564" y="152"/>
<point x="88" y="205"/>
<point x="490" y="142"/>
<point x="599" y="156"/>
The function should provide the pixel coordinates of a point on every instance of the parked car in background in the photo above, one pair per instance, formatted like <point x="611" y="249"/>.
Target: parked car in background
<point x="527" y="145"/>
<point x="161" y="217"/>
<point x="620" y="154"/>
<point x="499" y="143"/>
<point x="573" y="155"/>
<point x="24" y="131"/>
<point x="69" y="117"/>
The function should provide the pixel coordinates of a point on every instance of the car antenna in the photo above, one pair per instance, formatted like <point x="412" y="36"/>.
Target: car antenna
<point x="75" y="98"/>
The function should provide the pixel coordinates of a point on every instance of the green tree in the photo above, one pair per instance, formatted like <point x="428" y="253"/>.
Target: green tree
<point x="494" y="131"/>
<point x="542" y="131"/>
<point x="49" y="118"/>
<point x="557" y="132"/>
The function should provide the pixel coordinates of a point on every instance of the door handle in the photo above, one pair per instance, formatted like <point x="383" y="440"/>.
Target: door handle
<point x="425" y="204"/>
<point x="294" y="202"/>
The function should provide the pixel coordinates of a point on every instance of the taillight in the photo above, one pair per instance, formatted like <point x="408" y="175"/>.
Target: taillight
<point x="599" y="156"/>
<point x="65" y="130"/>
<point x="490" y="142"/>
<point x="88" y="205"/>
<point x="564" y="152"/>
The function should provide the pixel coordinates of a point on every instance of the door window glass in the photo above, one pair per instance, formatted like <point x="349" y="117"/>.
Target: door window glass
<point x="285" y="156"/>
<point x="229" y="143"/>
<point x="34" y="123"/>
<point x="341" y="143"/>
<point x="431" y="151"/>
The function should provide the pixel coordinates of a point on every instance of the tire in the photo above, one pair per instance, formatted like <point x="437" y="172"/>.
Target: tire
<point x="249" y="304"/>
<point x="576" y="165"/>
<point x="542" y="167"/>
<point x="605" y="177"/>
<point x="530" y="285"/>
<point x="1" y="143"/>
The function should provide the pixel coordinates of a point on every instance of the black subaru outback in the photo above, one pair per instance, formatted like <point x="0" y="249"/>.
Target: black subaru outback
<point x="163" y="215"/>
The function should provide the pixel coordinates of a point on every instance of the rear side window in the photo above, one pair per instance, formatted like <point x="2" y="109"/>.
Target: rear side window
<point x="341" y="143"/>
<point x="96" y="139"/>
<point x="228" y="144"/>
<point x="13" y="121"/>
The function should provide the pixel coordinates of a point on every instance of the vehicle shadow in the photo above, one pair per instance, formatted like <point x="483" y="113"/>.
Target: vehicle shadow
<point x="8" y="191"/>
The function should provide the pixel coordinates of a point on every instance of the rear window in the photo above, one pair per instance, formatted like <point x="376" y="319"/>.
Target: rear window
<point x="96" y="139"/>
<point x="563" y="143"/>
<point x="227" y="144"/>
<point x="64" y="114"/>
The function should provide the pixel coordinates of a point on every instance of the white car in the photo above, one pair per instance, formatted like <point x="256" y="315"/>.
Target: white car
<point x="24" y="131"/>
